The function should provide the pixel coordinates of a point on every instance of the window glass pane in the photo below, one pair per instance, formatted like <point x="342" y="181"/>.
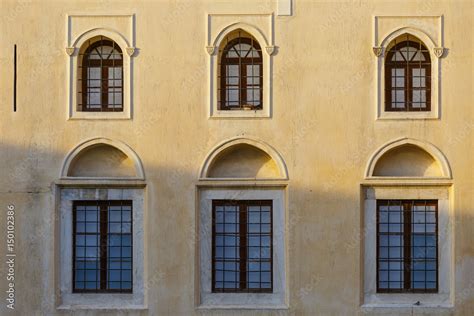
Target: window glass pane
<point x="254" y="53"/>
<point x="253" y="75"/>
<point x="242" y="49"/>
<point x="105" y="51"/>
<point x="418" y="57"/>
<point x="103" y="73"/>
<point x="232" y="53"/>
<point x="242" y="83"/>
<point x="94" y="98"/>
<point x="408" y="68"/>
<point x="232" y="96"/>
<point x="115" y="55"/>
<point x="94" y="54"/>
<point x="408" y="52"/>
<point x="247" y="251"/>
<point x="232" y="79"/>
<point x="92" y="242"/>
<point x="115" y="98"/>
<point x="398" y="99"/>
<point x="419" y="82"/>
<point x="393" y="236"/>
<point x="233" y="74"/>
<point x="115" y="77"/>
<point x="398" y="57"/>
<point x="94" y="77"/>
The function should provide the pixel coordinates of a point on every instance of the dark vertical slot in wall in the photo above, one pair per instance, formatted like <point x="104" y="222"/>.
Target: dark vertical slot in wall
<point x="14" y="78"/>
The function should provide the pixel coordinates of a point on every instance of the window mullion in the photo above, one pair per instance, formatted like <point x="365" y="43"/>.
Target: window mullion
<point x="407" y="229"/>
<point x="243" y="83"/>
<point x="103" y="245"/>
<point x="410" y="88"/>
<point x="105" y="86"/>
<point x="243" y="246"/>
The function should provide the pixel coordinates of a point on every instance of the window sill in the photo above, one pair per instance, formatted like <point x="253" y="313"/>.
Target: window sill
<point x="102" y="307"/>
<point x="431" y="115"/>
<point x="239" y="114"/>
<point x="100" y="116"/>
<point x="247" y="307"/>
<point x="406" y="305"/>
<point x="397" y="300"/>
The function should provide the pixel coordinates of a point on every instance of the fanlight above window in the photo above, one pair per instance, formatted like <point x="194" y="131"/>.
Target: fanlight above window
<point x="101" y="76"/>
<point x="240" y="73"/>
<point x="407" y="75"/>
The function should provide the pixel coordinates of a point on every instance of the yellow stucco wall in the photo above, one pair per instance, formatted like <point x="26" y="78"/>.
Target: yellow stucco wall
<point x="323" y="125"/>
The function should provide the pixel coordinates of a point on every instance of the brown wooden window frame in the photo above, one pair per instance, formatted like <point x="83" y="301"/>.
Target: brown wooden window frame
<point x="243" y="246"/>
<point x="103" y="223"/>
<point x="407" y="235"/>
<point x="243" y="86"/>
<point x="408" y="67"/>
<point x="104" y="65"/>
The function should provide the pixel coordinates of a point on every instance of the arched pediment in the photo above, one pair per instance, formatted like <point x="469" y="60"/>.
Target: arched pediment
<point x="408" y="158"/>
<point x="252" y="30"/>
<point x="112" y="34"/>
<point x="102" y="158"/>
<point x="243" y="158"/>
<point x="425" y="38"/>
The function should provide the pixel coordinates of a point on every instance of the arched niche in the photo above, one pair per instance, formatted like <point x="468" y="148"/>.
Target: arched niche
<point x="408" y="158"/>
<point x="102" y="158"/>
<point x="243" y="158"/>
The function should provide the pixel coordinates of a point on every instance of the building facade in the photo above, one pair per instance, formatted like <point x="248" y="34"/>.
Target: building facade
<point x="252" y="157"/>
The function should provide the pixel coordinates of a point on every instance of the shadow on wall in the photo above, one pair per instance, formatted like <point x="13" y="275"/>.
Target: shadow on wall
<point x="172" y="228"/>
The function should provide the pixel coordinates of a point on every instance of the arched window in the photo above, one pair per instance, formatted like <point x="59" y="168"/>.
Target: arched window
<point x="240" y="73"/>
<point x="101" y="76"/>
<point x="407" y="75"/>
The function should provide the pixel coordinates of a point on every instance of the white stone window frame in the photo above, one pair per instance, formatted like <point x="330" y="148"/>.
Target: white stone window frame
<point x="265" y="40"/>
<point x="395" y="190"/>
<point x="74" y="45"/>
<point x="67" y="300"/>
<point x="276" y="300"/>
<point x="436" y="52"/>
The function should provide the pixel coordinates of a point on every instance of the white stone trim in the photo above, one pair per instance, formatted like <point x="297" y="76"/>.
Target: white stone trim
<point x="416" y="26"/>
<point x="261" y="27"/>
<point x="276" y="300"/>
<point x="73" y="301"/>
<point x="127" y="150"/>
<point x="218" y="149"/>
<point x="284" y="7"/>
<point x="431" y="149"/>
<point x="77" y="35"/>
<point x="444" y="298"/>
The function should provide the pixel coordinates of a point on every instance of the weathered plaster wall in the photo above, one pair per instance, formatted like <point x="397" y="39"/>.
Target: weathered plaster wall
<point x="322" y="124"/>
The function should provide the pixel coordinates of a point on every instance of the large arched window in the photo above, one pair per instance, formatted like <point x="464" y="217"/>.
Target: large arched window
<point x="101" y="76"/>
<point x="240" y="73"/>
<point x="407" y="75"/>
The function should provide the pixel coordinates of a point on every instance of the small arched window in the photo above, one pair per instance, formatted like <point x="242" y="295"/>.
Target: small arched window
<point x="407" y="75"/>
<point x="101" y="76"/>
<point x="240" y="73"/>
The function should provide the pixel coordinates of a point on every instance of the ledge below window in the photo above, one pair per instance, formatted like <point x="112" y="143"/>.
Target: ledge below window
<point x="238" y="114"/>
<point x="247" y="307"/>
<point x="426" y="115"/>
<point x="103" y="307"/>
<point x="83" y="115"/>
<point x="447" y="306"/>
